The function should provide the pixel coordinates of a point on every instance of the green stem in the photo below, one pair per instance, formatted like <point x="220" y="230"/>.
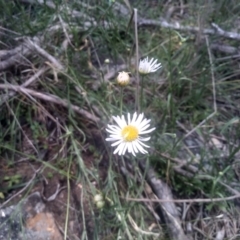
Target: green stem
<point x="141" y="95"/>
<point x="121" y="100"/>
<point x="137" y="58"/>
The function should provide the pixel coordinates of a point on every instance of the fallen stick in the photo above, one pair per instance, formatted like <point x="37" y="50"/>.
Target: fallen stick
<point x="215" y="30"/>
<point x="31" y="80"/>
<point x="168" y="208"/>
<point x="14" y="56"/>
<point x="19" y="54"/>
<point x="161" y="22"/>
<point x="50" y="98"/>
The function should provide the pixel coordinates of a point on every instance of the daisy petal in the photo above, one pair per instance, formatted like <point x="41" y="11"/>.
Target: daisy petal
<point x="146" y="66"/>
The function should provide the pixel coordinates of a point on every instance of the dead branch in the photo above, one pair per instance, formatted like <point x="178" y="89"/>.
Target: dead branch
<point x="20" y="53"/>
<point x="50" y="98"/>
<point x="31" y="80"/>
<point x="215" y="30"/>
<point x="5" y="54"/>
<point x="169" y="210"/>
<point x="48" y="3"/>
<point x="122" y="10"/>
<point x="226" y="49"/>
<point x="34" y="45"/>
<point x="14" y="56"/>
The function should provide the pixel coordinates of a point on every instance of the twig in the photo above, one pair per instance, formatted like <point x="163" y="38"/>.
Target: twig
<point x="17" y="55"/>
<point x="215" y="30"/>
<point x="193" y="170"/>
<point x="35" y="76"/>
<point x="54" y="195"/>
<point x="45" y="54"/>
<point x="68" y="37"/>
<point x="128" y="174"/>
<point x="181" y="163"/>
<point x="51" y="98"/>
<point x="168" y="208"/>
<point x="121" y="9"/>
<point x="196" y="200"/>
<point x="31" y="80"/>
<point x="226" y="49"/>
<point x="137" y="229"/>
<point x="177" y="26"/>
<point x="6" y="54"/>
<point x="3" y="30"/>
<point x="14" y="56"/>
<point x="48" y="3"/>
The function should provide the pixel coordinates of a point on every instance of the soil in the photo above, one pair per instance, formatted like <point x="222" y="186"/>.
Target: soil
<point x="61" y="198"/>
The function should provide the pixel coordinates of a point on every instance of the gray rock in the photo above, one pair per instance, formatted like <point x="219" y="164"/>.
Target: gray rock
<point x="28" y="220"/>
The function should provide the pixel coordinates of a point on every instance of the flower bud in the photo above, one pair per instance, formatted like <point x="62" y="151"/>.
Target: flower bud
<point x="97" y="197"/>
<point x="100" y="204"/>
<point x="123" y="79"/>
<point x="99" y="201"/>
<point x="107" y="61"/>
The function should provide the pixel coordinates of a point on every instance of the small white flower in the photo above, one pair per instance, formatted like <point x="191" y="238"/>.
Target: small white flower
<point x="123" y="79"/>
<point x="126" y="134"/>
<point x="146" y="66"/>
<point x="107" y="61"/>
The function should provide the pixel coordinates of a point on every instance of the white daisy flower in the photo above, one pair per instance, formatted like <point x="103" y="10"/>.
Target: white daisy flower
<point x="126" y="135"/>
<point x="146" y="66"/>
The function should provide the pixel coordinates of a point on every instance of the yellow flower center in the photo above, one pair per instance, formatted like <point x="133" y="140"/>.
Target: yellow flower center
<point x="130" y="133"/>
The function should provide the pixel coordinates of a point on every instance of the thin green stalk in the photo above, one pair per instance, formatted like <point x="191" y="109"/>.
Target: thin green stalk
<point x="68" y="201"/>
<point x="137" y="58"/>
<point x="141" y="95"/>
<point x="121" y="99"/>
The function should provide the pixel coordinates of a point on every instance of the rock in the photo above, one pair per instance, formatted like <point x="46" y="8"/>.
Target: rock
<point x="41" y="227"/>
<point x="28" y="220"/>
